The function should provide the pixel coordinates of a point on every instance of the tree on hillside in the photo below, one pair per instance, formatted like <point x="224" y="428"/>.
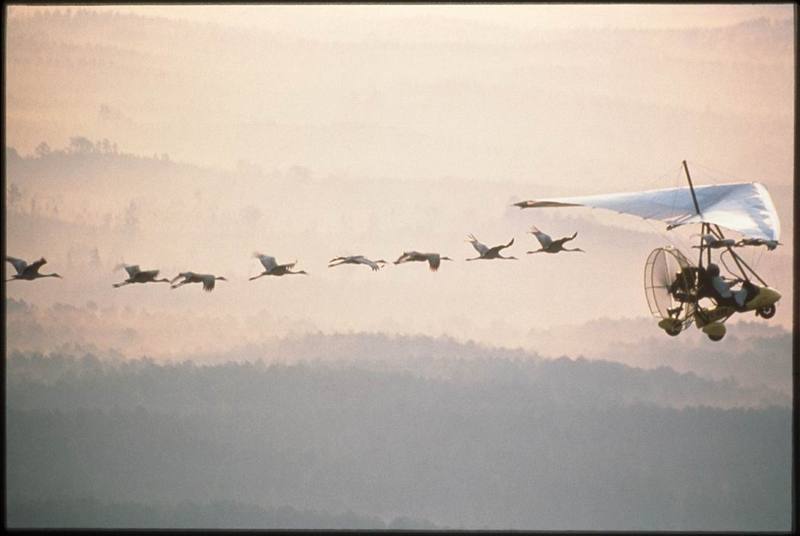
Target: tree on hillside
<point x="42" y="150"/>
<point x="13" y="196"/>
<point x="80" y="145"/>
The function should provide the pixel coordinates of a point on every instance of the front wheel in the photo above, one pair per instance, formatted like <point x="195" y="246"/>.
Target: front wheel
<point x="673" y="331"/>
<point x="767" y="312"/>
<point x="715" y="337"/>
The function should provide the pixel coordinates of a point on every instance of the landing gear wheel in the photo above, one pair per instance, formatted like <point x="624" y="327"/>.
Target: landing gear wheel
<point x="673" y="331"/>
<point x="766" y="312"/>
<point x="715" y="331"/>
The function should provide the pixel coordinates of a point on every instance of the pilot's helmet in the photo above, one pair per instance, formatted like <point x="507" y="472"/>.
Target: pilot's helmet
<point x="712" y="270"/>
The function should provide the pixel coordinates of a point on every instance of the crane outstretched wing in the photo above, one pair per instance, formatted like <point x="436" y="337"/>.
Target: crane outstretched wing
<point x="208" y="282"/>
<point x="504" y="246"/>
<point x="268" y="261"/>
<point x="34" y="266"/>
<point x="565" y="239"/>
<point x="480" y="248"/>
<point x="19" y="264"/>
<point x="543" y="238"/>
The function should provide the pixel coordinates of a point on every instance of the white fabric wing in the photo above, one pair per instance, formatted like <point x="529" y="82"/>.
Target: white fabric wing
<point x="744" y="207"/>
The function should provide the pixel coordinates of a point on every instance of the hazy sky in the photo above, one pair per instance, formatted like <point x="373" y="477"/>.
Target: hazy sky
<point x="309" y="132"/>
<point x="332" y="21"/>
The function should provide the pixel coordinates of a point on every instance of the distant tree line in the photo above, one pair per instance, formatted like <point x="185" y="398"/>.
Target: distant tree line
<point x="92" y="513"/>
<point x="80" y="145"/>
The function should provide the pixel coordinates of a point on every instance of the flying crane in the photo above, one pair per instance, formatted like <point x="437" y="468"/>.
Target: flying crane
<point x="357" y="259"/>
<point x="208" y="280"/>
<point x="28" y="272"/>
<point x="271" y="267"/>
<point x="678" y="291"/>
<point x="136" y="275"/>
<point x="549" y="245"/>
<point x="433" y="259"/>
<point x="485" y="252"/>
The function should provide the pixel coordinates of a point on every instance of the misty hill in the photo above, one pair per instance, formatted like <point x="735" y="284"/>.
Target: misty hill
<point x="753" y="352"/>
<point x="364" y="359"/>
<point x="510" y="443"/>
<point x="754" y="358"/>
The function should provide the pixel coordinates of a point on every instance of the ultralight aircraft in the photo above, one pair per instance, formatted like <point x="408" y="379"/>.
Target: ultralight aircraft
<point x="679" y="291"/>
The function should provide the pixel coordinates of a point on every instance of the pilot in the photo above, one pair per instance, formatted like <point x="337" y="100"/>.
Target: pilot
<point x="722" y="288"/>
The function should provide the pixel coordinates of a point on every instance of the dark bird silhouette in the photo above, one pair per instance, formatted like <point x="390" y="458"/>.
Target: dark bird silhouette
<point x="487" y="252"/>
<point x="433" y="259"/>
<point x="357" y="259"/>
<point x="208" y="280"/>
<point x="135" y="275"/>
<point x="271" y="267"/>
<point x="549" y="245"/>
<point x="28" y="272"/>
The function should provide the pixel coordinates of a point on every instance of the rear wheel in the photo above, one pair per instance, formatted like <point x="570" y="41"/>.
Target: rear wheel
<point x="767" y="312"/>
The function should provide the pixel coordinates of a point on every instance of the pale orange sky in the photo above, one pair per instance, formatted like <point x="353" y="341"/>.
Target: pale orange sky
<point x="331" y="19"/>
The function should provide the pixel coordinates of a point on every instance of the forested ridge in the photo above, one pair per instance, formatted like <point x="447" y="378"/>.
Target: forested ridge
<point x="510" y="443"/>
